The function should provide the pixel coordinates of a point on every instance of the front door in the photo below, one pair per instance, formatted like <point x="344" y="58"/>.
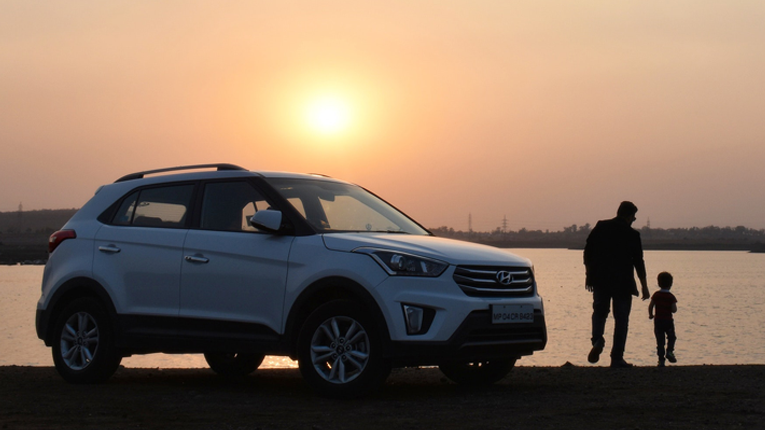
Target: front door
<point x="231" y="272"/>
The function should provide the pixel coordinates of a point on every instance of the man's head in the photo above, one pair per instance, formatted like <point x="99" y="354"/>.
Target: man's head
<point x="627" y="211"/>
<point x="665" y="280"/>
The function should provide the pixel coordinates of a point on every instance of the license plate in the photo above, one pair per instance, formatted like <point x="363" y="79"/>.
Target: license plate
<point x="506" y="314"/>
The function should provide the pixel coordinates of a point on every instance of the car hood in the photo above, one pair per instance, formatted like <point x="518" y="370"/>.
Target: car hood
<point x="451" y="251"/>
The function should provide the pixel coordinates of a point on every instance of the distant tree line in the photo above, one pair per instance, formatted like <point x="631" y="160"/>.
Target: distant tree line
<point x="44" y="221"/>
<point x="575" y="237"/>
<point x="24" y="236"/>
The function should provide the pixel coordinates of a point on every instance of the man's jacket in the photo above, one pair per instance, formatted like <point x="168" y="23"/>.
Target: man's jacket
<point x="612" y="255"/>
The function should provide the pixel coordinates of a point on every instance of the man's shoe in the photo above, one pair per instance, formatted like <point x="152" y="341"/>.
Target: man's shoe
<point x="661" y="363"/>
<point x="594" y="354"/>
<point x="620" y="364"/>
<point x="671" y="357"/>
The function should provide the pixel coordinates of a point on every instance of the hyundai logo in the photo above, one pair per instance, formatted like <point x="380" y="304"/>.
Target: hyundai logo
<point x="504" y="277"/>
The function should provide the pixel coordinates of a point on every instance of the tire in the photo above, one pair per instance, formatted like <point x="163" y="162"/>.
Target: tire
<point x="476" y="373"/>
<point x="83" y="344"/>
<point x="340" y="351"/>
<point x="233" y="364"/>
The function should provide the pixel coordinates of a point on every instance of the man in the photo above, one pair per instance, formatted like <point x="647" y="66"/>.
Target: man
<point x="612" y="255"/>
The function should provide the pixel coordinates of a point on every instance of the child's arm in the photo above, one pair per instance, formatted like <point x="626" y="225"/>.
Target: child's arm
<point x="674" y="307"/>
<point x="650" y="309"/>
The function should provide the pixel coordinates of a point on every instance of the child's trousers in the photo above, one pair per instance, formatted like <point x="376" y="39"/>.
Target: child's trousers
<point x="662" y="328"/>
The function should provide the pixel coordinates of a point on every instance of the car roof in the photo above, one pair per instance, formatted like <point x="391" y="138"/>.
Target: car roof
<point x="222" y="170"/>
<point x="105" y="195"/>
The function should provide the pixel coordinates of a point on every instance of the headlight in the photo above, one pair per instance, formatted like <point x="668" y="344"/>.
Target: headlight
<point x="402" y="264"/>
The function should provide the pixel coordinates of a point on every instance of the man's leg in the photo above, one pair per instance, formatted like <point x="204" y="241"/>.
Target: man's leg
<point x="601" y="305"/>
<point x="622" y="308"/>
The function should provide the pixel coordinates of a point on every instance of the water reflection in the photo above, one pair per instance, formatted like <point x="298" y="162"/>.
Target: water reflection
<point x="721" y="312"/>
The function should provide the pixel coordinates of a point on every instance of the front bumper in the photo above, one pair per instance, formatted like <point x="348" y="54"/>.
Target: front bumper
<point x="476" y="339"/>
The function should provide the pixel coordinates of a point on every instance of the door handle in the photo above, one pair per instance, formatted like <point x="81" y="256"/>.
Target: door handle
<point x="196" y="259"/>
<point x="111" y="249"/>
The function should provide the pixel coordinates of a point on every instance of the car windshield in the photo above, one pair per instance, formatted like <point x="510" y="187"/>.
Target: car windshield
<point x="338" y="207"/>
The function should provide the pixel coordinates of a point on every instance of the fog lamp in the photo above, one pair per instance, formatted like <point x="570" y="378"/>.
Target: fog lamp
<point x="413" y="316"/>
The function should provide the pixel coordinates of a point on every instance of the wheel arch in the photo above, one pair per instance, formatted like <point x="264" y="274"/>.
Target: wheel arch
<point x="324" y="291"/>
<point x="70" y="290"/>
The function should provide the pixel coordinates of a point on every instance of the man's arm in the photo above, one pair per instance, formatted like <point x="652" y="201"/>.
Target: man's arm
<point x="590" y="256"/>
<point x="639" y="263"/>
<point x="646" y="293"/>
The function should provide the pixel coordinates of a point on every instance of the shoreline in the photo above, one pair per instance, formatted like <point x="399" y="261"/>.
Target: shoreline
<point x="570" y="397"/>
<point x="18" y="260"/>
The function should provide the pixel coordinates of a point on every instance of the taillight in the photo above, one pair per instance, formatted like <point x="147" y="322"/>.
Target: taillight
<point x="58" y="237"/>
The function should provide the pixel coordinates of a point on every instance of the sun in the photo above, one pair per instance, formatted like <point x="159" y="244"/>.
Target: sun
<point x="328" y="115"/>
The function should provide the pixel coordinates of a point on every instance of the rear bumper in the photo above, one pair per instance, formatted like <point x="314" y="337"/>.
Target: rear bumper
<point x="476" y="339"/>
<point x="41" y="324"/>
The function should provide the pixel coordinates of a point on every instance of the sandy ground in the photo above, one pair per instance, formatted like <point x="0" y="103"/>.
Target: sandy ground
<point x="678" y="397"/>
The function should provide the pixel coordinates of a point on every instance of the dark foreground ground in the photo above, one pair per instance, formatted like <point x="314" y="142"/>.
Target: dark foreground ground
<point x="693" y="397"/>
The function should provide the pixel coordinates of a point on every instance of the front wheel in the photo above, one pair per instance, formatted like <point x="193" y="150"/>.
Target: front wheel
<point x="83" y="345"/>
<point x="233" y="364"/>
<point x="477" y="372"/>
<point x="340" y="351"/>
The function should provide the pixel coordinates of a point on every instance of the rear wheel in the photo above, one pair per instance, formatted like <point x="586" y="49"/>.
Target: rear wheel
<point x="340" y="350"/>
<point x="83" y="345"/>
<point x="233" y="364"/>
<point x="477" y="372"/>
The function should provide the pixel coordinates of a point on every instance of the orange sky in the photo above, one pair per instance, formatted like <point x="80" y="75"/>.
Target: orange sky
<point x="547" y="112"/>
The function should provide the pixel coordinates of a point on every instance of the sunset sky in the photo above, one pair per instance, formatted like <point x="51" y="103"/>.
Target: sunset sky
<point x="547" y="112"/>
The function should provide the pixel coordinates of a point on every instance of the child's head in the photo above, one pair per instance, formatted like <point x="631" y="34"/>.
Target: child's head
<point x="665" y="280"/>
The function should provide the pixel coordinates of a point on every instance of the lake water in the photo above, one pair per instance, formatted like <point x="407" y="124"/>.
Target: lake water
<point x="720" y="318"/>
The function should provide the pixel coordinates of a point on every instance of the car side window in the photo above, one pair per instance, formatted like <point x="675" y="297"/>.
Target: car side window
<point x="228" y="206"/>
<point x="125" y="212"/>
<point x="156" y="207"/>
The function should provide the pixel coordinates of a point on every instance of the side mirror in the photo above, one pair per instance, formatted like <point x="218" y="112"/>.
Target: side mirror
<point x="267" y="220"/>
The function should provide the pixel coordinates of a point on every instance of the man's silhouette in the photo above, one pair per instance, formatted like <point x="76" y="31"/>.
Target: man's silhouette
<point x="612" y="255"/>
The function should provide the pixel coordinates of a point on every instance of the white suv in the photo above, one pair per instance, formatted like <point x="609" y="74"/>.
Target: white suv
<point x="238" y="264"/>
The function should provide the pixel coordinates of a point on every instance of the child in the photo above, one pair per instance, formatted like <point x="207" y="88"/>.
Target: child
<point x="665" y="304"/>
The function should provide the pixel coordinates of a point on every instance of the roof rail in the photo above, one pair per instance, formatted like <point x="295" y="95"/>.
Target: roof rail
<point x="218" y="166"/>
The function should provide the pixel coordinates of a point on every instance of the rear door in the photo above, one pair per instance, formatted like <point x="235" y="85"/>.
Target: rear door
<point x="139" y="253"/>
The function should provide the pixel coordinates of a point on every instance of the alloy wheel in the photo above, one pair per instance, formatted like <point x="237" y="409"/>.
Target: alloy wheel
<point x="340" y="349"/>
<point x="79" y="340"/>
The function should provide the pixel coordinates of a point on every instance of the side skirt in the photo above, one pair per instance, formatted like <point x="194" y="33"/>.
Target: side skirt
<point x="145" y="334"/>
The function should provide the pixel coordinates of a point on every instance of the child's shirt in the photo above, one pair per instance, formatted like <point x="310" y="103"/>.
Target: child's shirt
<point x="663" y="301"/>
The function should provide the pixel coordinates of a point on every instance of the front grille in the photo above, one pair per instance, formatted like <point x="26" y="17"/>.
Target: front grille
<point x="494" y="281"/>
